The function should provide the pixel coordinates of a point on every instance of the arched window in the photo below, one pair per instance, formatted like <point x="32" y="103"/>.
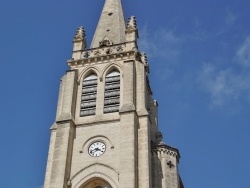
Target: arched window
<point x="112" y="92"/>
<point x="88" y="100"/>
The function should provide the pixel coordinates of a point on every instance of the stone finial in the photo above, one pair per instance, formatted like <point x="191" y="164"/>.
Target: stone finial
<point x="159" y="136"/>
<point x="144" y="58"/>
<point x="69" y="184"/>
<point x="159" y="139"/>
<point x="132" y="25"/>
<point x="105" y="42"/>
<point x="80" y="34"/>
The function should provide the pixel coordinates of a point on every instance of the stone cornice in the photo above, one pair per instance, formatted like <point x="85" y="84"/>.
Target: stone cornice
<point x="166" y="149"/>
<point x="103" y="54"/>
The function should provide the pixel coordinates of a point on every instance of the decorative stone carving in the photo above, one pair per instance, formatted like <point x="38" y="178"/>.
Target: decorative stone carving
<point x="97" y="53"/>
<point x="80" y="34"/>
<point x="170" y="164"/>
<point x="159" y="138"/>
<point x="132" y="25"/>
<point x="158" y="146"/>
<point x="119" y="49"/>
<point x="86" y="54"/>
<point x="105" y="42"/>
<point x="108" y="51"/>
<point x="144" y="58"/>
<point x="69" y="184"/>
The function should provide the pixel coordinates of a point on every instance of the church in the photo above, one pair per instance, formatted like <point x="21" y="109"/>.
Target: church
<point x="105" y="133"/>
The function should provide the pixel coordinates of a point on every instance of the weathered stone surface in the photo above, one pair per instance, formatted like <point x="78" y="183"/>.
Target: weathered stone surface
<point x="135" y="155"/>
<point x="111" y="24"/>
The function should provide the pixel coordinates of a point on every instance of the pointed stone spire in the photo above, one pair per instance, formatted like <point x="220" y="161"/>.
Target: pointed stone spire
<point x="111" y="24"/>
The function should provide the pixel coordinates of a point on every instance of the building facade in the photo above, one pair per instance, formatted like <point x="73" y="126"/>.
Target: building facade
<point x="106" y="134"/>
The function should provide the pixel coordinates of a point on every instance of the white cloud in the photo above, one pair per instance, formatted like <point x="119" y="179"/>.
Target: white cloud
<point x="219" y="83"/>
<point x="230" y="17"/>
<point x="243" y="54"/>
<point x="228" y="84"/>
<point x="161" y="43"/>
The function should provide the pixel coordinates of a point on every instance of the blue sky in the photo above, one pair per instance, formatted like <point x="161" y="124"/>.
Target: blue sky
<point x="199" y="56"/>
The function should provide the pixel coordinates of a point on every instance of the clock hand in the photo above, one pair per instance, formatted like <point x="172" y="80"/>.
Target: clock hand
<point x="94" y="150"/>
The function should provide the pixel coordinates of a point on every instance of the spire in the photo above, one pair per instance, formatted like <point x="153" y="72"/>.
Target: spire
<point x="111" y="24"/>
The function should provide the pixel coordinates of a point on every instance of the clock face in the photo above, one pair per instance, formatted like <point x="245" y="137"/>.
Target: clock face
<point x="97" y="148"/>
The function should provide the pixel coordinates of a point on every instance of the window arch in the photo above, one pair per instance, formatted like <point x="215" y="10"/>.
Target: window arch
<point x="88" y="98"/>
<point x="112" y="92"/>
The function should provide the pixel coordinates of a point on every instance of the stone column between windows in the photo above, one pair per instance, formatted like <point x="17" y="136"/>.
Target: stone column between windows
<point x="100" y="96"/>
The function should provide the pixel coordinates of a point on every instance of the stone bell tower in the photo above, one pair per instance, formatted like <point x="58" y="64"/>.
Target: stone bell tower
<point x="105" y="133"/>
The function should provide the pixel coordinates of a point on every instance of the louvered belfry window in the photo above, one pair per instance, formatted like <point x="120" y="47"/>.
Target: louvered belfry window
<point x="88" y="100"/>
<point x="112" y="92"/>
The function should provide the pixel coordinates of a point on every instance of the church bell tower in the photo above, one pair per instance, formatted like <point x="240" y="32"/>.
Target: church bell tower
<point x="105" y="133"/>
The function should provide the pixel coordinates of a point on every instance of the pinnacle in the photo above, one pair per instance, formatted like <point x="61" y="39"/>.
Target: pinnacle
<point x="159" y="139"/>
<point x="132" y="25"/>
<point x="144" y="58"/>
<point x="80" y="34"/>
